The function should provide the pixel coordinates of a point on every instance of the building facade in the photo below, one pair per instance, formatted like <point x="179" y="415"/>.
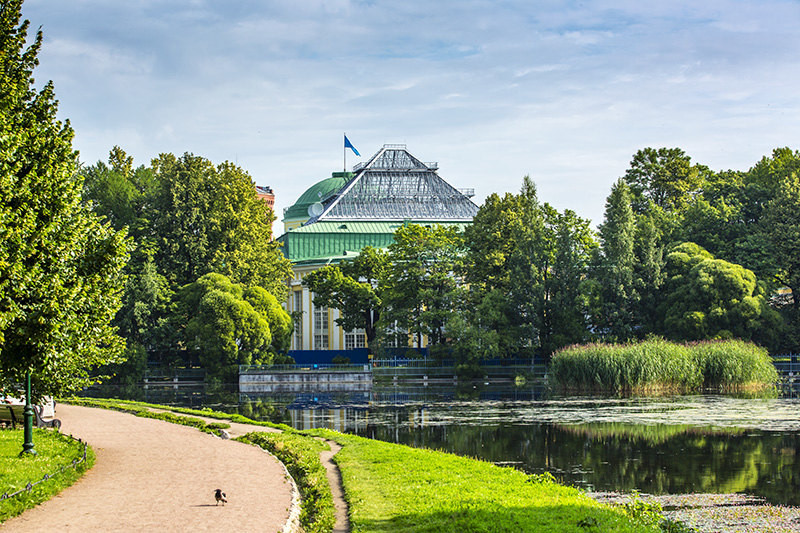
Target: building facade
<point x="337" y="217"/>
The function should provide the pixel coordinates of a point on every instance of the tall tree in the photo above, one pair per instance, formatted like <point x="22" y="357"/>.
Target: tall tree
<point x="532" y="260"/>
<point x="781" y="229"/>
<point x="664" y="176"/>
<point x="60" y="267"/>
<point x="352" y="287"/>
<point x="120" y="192"/>
<point x="648" y="272"/>
<point x="209" y="219"/>
<point x="614" y="267"/>
<point x="498" y="271"/>
<point x="563" y="252"/>
<point x="420" y="287"/>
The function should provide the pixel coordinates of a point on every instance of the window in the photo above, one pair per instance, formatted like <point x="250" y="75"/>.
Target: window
<point x="396" y="336"/>
<point x="320" y="328"/>
<point x="297" y="307"/>
<point x="356" y="338"/>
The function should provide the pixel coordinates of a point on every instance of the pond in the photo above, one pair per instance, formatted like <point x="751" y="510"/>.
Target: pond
<point x="661" y="445"/>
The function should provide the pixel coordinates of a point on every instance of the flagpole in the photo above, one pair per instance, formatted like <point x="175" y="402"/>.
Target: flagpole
<point x="344" y="152"/>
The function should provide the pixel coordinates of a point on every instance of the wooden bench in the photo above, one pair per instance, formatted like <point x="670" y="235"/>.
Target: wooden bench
<point x="13" y="413"/>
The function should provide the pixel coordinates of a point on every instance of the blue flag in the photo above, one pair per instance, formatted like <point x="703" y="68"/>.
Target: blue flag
<point x="348" y="144"/>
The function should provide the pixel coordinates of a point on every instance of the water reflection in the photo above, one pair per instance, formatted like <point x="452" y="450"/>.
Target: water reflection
<point x="661" y="445"/>
<point x="707" y="443"/>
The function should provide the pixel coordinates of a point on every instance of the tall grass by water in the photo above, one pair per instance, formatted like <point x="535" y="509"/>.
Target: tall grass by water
<point x="661" y="366"/>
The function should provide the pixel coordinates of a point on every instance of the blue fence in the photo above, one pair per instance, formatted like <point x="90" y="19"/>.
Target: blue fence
<point x="787" y="365"/>
<point x="357" y="356"/>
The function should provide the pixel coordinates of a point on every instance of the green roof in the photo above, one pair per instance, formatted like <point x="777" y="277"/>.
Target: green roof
<point x="317" y="193"/>
<point x="324" y="242"/>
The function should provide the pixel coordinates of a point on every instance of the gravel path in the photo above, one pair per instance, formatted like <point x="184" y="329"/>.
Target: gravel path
<point x="156" y="476"/>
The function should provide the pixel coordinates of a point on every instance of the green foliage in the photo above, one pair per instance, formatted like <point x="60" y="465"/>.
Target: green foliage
<point x="301" y="456"/>
<point x="614" y="267"/>
<point x="781" y="226"/>
<point x="125" y="405"/>
<point x="146" y="306"/>
<point x="664" y="177"/>
<point x="207" y="218"/>
<point x="60" y="266"/>
<point x="643" y="512"/>
<point x="658" y="365"/>
<point x="733" y="364"/>
<point x="709" y="298"/>
<point x="532" y="261"/>
<point x="118" y="191"/>
<point x="280" y="323"/>
<point x="649" y="275"/>
<point x="353" y="288"/>
<point x="130" y="372"/>
<point x="543" y="478"/>
<point x="229" y="325"/>
<point x="396" y="488"/>
<point x="562" y="298"/>
<point x="496" y="275"/>
<point x="420" y="287"/>
<point x="55" y="451"/>
<point x="190" y="218"/>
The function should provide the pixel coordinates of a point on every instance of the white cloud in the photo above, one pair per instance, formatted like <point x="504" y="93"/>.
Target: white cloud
<point x="492" y="90"/>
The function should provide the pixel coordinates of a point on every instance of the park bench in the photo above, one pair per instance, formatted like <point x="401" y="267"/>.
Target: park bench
<point x="12" y="413"/>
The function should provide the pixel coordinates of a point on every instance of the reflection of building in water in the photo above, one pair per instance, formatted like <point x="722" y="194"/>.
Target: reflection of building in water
<point x="344" y="419"/>
<point x="417" y="417"/>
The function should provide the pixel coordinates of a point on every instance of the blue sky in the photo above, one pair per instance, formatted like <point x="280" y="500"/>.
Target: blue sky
<point x="565" y="92"/>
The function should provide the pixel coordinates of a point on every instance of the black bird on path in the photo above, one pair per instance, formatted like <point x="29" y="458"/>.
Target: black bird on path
<point x="220" y="496"/>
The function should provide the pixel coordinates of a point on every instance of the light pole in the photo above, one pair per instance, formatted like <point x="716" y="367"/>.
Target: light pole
<point x="27" y="446"/>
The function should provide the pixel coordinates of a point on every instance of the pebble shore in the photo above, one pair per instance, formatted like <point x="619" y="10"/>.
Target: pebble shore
<point x="718" y="512"/>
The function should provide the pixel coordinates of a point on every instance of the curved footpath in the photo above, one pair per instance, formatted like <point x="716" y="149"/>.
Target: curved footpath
<point x="156" y="476"/>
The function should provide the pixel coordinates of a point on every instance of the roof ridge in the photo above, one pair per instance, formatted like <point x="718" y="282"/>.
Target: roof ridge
<point x="395" y="185"/>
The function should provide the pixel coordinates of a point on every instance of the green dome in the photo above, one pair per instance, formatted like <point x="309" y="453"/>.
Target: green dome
<point x="316" y="193"/>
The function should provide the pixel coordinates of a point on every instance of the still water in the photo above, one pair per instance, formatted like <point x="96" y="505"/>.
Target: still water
<point x="679" y="444"/>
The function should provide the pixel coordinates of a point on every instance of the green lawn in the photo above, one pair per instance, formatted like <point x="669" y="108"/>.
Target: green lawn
<point x="396" y="488"/>
<point x="54" y="450"/>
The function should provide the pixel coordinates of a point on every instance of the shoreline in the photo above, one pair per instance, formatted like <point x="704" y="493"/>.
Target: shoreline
<point x="717" y="512"/>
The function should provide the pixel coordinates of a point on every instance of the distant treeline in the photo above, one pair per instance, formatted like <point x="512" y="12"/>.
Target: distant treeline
<point x="683" y="253"/>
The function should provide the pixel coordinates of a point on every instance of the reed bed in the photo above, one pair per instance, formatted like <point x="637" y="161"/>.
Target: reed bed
<point x="660" y="366"/>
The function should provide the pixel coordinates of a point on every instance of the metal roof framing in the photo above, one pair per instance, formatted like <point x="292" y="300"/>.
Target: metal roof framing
<point x="395" y="185"/>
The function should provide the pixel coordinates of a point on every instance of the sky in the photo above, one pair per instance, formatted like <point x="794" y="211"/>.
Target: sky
<point x="565" y="92"/>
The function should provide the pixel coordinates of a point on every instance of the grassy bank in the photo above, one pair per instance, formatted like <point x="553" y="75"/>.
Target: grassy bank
<point x="395" y="488"/>
<point x="54" y="451"/>
<point x="300" y="454"/>
<point x="661" y="366"/>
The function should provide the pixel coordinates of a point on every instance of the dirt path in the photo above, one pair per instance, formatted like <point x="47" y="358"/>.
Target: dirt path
<point x="342" y="524"/>
<point x="156" y="476"/>
<point x="332" y="471"/>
